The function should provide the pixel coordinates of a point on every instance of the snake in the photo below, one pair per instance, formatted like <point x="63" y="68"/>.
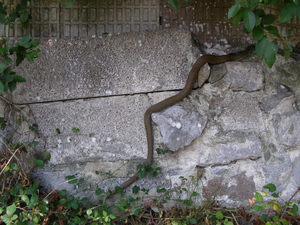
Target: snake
<point x="187" y="89"/>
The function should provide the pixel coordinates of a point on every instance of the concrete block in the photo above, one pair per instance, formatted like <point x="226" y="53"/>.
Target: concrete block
<point x="127" y="63"/>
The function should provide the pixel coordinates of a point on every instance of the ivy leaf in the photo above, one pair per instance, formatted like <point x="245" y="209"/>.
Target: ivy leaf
<point x="258" y="197"/>
<point x="249" y="20"/>
<point x="233" y="10"/>
<point x="288" y="11"/>
<point x="270" y="187"/>
<point x="270" y="55"/>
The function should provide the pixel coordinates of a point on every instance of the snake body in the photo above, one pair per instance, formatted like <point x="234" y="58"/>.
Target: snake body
<point x="192" y="77"/>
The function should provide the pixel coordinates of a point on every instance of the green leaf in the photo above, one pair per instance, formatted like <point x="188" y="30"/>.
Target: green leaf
<point x="89" y="212"/>
<point x="25" y="198"/>
<point x="264" y="217"/>
<point x="104" y="213"/>
<point x="39" y="163"/>
<point x="219" y="215"/>
<point x="24" y="41"/>
<point x="8" y="60"/>
<point x="233" y="10"/>
<point x="270" y="56"/>
<point x="74" y="205"/>
<point x="118" y="190"/>
<point x="12" y="86"/>
<point x="287" y="54"/>
<point x="273" y="30"/>
<point x="75" y="130"/>
<point x="63" y="192"/>
<point x="268" y="19"/>
<point x="270" y="187"/>
<point x="295" y="208"/>
<point x="6" y="78"/>
<point x="260" y="12"/>
<point x="257" y="20"/>
<point x="257" y="33"/>
<point x="69" y="3"/>
<point x="288" y="11"/>
<point x="24" y="17"/>
<point x="135" y="189"/>
<point x="258" y="197"/>
<point x="1" y="87"/>
<point x="249" y="20"/>
<point x="19" y="79"/>
<point x="256" y="208"/>
<point x="173" y="3"/>
<point x="238" y="18"/>
<point x="260" y="47"/>
<point x="29" y="58"/>
<point x="2" y="18"/>
<point x="99" y="192"/>
<point x="253" y="3"/>
<point x="10" y="210"/>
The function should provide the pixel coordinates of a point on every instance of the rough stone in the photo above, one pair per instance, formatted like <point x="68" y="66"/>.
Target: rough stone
<point x="236" y="146"/>
<point x="296" y="169"/>
<point x="245" y="76"/>
<point x="179" y="127"/>
<point x="240" y="111"/>
<point x="270" y="102"/>
<point x="287" y="129"/>
<point x="237" y="187"/>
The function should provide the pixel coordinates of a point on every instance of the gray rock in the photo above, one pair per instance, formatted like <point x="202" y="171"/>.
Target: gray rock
<point x="245" y="76"/>
<point x="287" y="129"/>
<point x="179" y="127"/>
<point x="236" y="147"/>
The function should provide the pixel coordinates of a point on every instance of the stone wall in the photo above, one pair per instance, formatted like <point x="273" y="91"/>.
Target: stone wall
<point x="237" y="133"/>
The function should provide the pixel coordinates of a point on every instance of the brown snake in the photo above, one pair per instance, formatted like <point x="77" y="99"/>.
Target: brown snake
<point x="192" y="77"/>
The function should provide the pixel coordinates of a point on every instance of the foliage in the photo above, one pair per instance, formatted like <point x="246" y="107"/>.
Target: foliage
<point x="264" y="26"/>
<point x="145" y="168"/>
<point x="279" y="212"/>
<point x="13" y="55"/>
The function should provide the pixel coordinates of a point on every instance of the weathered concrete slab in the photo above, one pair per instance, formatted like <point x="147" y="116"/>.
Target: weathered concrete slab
<point x="126" y="63"/>
<point x="101" y="129"/>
